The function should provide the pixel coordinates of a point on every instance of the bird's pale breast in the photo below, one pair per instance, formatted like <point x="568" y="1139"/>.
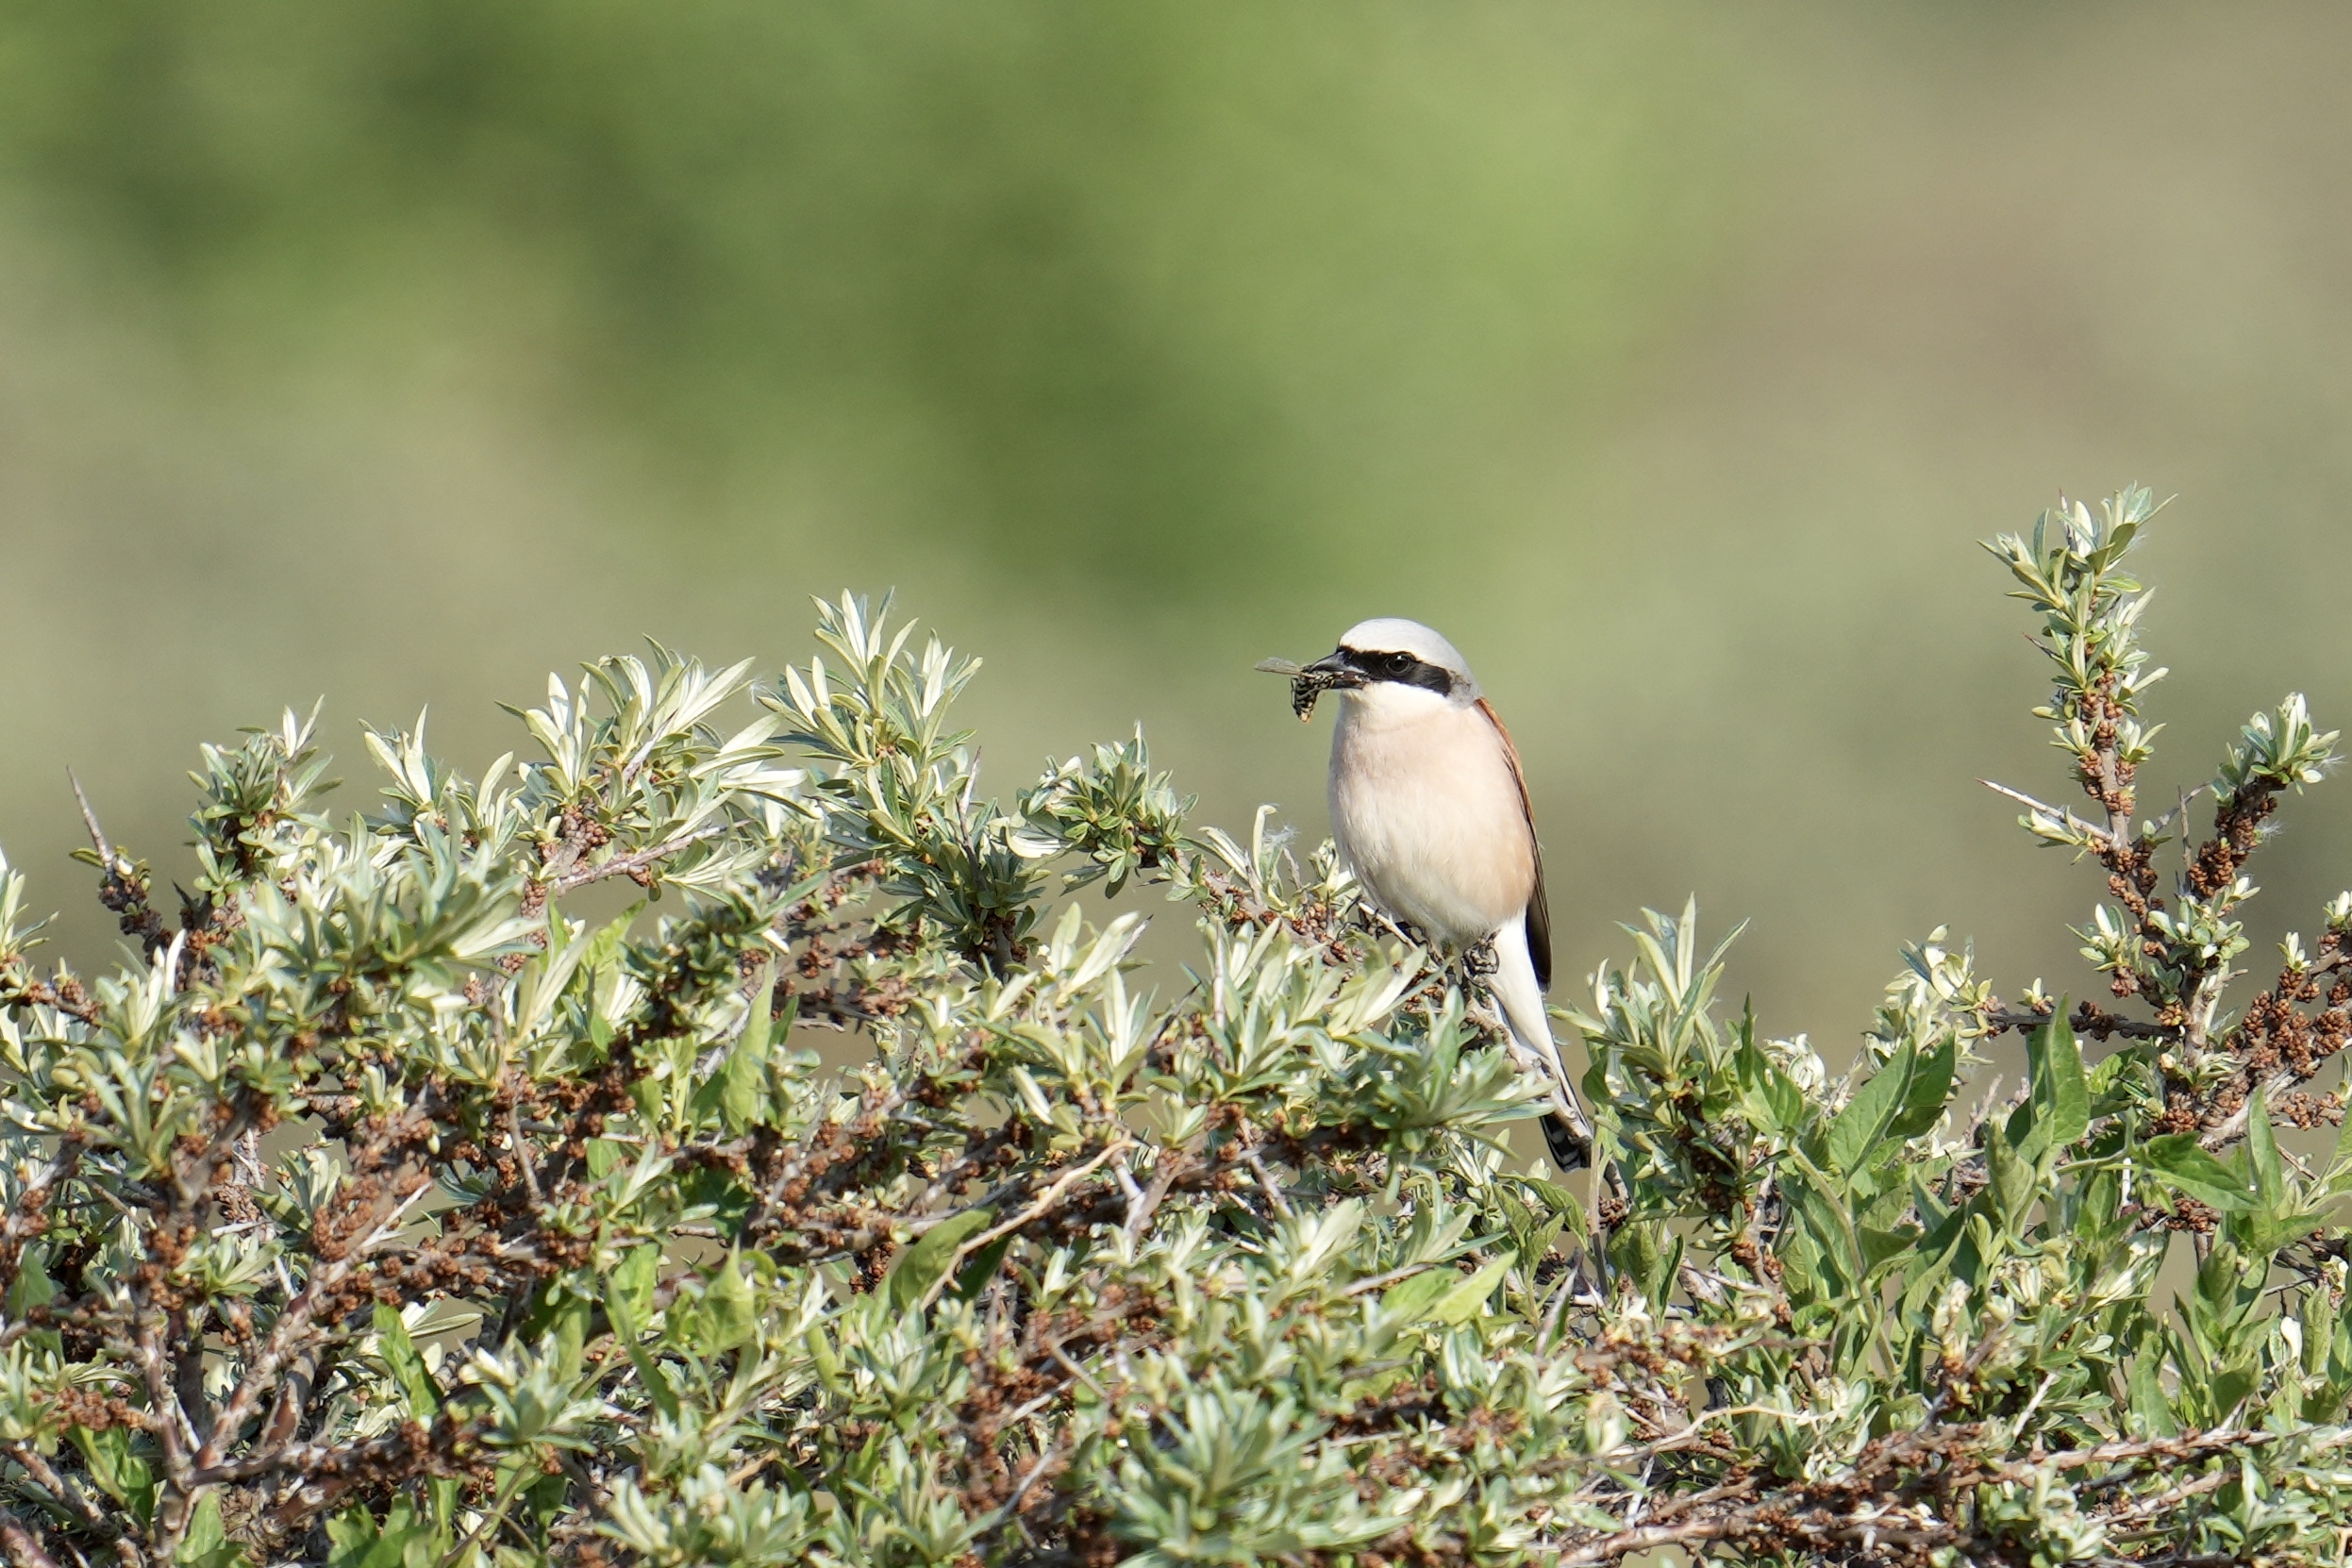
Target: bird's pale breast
<point x="1428" y="812"/>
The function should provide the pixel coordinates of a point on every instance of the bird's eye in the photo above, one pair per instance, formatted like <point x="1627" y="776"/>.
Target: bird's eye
<point x="1400" y="663"/>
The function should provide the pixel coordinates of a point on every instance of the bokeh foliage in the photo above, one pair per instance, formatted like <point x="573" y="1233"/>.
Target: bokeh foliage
<point x="1665" y="357"/>
<point x="382" y="1207"/>
<point x="1080" y="263"/>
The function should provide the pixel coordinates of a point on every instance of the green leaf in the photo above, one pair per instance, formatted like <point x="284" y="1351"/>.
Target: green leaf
<point x="1552" y="1193"/>
<point x="1771" y="1099"/>
<point x="744" y="1086"/>
<point x="629" y="1303"/>
<point x="2262" y="1143"/>
<point x="605" y="946"/>
<point x="120" y="1472"/>
<point x="2061" y="1096"/>
<point x="2151" y="1412"/>
<point x="757" y="1022"/>
<point x="1545" y="1236"/>
<point x="603" y="954"/>
<point x="2177" y="1160"/>
<point x="925" y="1264"/>
<point x="729" y="1308"/>
<point x="406" y="1366"/>
<point x="2015" y="1181"/>
<point x="1860" y="1126"/>
<point x="742" y="1090"/>
<point x="629" y="1289"/>
<point x="569" y="1331"/>
<point x="356" y="1541"/>
<point x="729" y="1200"/>
<point x="1648" y="1253"/>
<point x="2343" y="1160"/>
<point x="1465" y="1300"/>
<point x="2230" y="1387"/>
<point x="207" y="1543"/>
<point x="1880" y="1245"/>
<point x="1519" y="1220"/>
<point x="1412" y="1298"/>
<point x="2107" y="1079"/>
<point x="1929" y="1088"/>
<point x="1931" y="1257"/>
<point x="204" y="1530"/>
<point x="1813" y="1198"/>
<point x="981" y="1267"/>
<point x="33" y="1287"/>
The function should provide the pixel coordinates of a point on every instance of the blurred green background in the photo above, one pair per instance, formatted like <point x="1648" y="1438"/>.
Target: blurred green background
<point x="1669" y="358"/>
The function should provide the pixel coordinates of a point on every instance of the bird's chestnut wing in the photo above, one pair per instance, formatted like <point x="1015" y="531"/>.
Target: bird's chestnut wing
<point x="1539" y="912"/>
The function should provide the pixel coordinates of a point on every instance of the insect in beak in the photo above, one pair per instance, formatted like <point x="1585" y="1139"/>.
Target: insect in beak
<point x="1309" y="681"/>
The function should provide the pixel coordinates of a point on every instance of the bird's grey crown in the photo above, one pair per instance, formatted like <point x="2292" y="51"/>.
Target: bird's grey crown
<point x="1390" y="634"/>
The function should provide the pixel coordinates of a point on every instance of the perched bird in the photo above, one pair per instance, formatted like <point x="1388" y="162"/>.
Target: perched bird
<point x="1431" y="813"/>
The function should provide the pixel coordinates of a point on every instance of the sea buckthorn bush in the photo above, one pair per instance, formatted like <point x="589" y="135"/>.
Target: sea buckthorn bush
<point x="447" y="1179"/>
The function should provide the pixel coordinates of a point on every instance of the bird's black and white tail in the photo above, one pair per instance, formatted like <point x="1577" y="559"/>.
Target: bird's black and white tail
<point x="1519" y="992"/>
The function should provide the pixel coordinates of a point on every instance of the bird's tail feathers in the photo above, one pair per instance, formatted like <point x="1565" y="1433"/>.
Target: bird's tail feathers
<point x="1566" y="1129"/>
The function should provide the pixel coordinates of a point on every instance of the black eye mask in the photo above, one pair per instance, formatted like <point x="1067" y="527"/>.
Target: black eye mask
<point x="1404" y="669"/>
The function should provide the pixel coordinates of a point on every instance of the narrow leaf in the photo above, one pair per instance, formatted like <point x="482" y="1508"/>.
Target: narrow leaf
<point x="2179" y="1162"/>
<point x="1461" y="1303"/>
<point x="2262" y="1143"/>
<point x="406" y="1367"/>
<point x="2062" y="1095"/>
<point x="1859" y="1127"/>
<point x="925" y="1264"/>
<point x="1929" y="1088"/>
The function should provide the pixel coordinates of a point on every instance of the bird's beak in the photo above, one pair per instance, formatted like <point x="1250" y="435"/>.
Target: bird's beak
<point x="1332" y="664"/>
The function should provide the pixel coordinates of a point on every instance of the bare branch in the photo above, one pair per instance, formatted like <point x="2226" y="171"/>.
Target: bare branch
<point x="90" y="820"/>
<point x="629" y="865"/>
<point x="22" y="1549"/>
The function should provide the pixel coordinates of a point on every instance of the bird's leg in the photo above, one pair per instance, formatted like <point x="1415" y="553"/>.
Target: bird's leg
<point x="1476" y="968"/>
<point x="1480" y="1006"/>
<point x="1376" y="920"/>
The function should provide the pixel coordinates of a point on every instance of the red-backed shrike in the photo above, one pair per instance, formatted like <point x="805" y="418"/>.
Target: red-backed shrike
<point x="1431" y="812"/>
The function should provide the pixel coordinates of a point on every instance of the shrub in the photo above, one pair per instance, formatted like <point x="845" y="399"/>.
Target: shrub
<point x="386" y="1207"/>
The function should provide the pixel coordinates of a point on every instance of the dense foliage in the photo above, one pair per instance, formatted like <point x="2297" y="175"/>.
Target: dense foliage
<point x="404" y="1198"/>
